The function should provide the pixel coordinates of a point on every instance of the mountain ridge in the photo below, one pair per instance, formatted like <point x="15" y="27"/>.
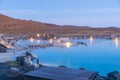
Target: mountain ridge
<point x="13" y="26"/>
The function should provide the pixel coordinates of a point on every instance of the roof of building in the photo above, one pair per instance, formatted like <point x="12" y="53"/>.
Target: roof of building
<point x="58" y="73"/>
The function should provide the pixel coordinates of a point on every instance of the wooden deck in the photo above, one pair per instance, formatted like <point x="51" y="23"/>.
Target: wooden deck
<point x="57" y="73"/>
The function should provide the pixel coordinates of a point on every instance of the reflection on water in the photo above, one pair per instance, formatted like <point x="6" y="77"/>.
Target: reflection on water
<point x="68" y="44"/>
<point x="58" y="41"/>
<point x="51" y="40"/>
<point x="91" y="39"/>
<point x="101" y="56"/>
<point x="31" y="39"/>
<point x="38" y="41"/>
<point x="116" y="40"/>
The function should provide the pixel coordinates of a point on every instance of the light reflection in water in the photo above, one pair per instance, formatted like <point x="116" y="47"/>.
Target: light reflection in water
<point x="68" y="44"/>
<point x="91" y="39"/>
<point x="38" y="41"/>
<point x="116" y="40"/>
<point x="58" y="41"/>
<point x="31" y="39"/>
<point x="51" y="40"/>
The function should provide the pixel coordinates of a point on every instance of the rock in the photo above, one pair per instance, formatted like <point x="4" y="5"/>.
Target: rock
<point x="20" y="60"/>
<point x="62" y="66"/>
<point x="101" y="78"/>
<point x="81" y="68"/>
<point x="115" y="75"/>
<point x="28" y="61"/>
<point x="14" y="70"/>
<point x="31" y="55"/>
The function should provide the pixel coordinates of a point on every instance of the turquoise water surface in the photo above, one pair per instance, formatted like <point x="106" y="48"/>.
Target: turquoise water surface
<point x="99" y="55"/>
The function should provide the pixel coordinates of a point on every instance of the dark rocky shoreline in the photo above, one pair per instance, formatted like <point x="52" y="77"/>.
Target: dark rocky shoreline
<point x="8" y="72"/>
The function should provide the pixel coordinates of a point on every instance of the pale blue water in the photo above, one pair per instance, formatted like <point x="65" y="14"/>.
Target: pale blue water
<point x="101" y="55"/>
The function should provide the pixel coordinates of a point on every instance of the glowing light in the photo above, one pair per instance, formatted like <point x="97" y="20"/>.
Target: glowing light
<point x="2" y="42"/>
<point x="51" y="40"/>
<point x="8" y="47"/>
<point x="38" y="35"/>
<point x="31" y="39"/>
<point x="91" y="39"/>
<point x="68" y="44"/>
<point x="116" y="40"/>
<point x="58" y="41"/>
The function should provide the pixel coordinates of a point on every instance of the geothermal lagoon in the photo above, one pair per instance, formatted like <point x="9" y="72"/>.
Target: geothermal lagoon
<point x="100" y="55"/>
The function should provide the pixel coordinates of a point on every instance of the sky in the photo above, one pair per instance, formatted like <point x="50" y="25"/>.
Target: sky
<point x="94" y="13"/>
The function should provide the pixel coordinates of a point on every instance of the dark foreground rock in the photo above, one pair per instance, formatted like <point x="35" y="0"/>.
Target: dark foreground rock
<point x="115" y="75"/>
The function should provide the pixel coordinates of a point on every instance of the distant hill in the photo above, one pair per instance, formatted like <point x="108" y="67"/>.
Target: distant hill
<point x="13" y="26"/>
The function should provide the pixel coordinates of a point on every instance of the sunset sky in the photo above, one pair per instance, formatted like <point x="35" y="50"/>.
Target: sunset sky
<point x="94" y="13"/>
